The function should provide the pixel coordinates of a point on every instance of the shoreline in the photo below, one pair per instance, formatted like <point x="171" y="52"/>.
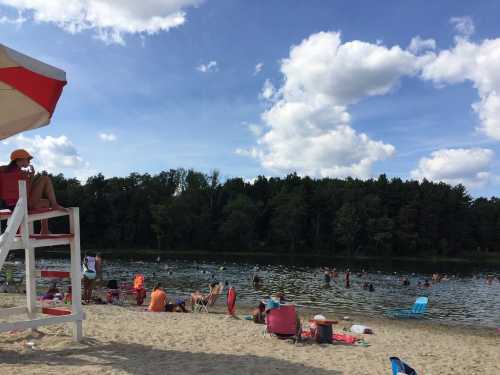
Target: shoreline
<point x="126" y="340"/>
<point x="481" y="259"/>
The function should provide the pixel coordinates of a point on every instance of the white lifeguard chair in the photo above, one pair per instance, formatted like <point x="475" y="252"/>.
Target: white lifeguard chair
<point x="19" y="234"/>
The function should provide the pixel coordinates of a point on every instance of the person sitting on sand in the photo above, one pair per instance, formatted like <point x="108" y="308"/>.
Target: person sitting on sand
<point x="40" y="189"/>
<point x="158" y="299"/>
<point x="68" y="297"/>
<point x="52" y="292"/>
<point x="280" y="296"/>
<point x="259" y="313"/>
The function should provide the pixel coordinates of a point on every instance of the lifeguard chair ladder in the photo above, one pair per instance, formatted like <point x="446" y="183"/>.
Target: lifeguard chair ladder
<point x="19" y="234"/>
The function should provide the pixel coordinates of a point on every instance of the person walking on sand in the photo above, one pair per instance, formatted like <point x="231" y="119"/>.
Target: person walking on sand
<point x="41" y="192"/>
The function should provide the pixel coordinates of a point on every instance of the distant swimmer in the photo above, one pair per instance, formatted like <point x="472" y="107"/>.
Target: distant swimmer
<point x="489" y="279"/>
<point x="335" y="273"/>
<point x="371" y="288"/>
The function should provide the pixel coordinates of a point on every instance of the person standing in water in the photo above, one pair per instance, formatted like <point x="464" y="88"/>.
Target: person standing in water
<point x="347" y="278"/>
<point x="98" y="268"/>
<point x="327" y="277"/>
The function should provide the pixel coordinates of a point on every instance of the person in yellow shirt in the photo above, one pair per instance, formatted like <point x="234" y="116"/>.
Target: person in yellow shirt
<point x="158" y="299"/>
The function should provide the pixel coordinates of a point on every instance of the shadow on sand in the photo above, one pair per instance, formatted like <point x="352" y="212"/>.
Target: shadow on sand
<point x="96" y="357"/>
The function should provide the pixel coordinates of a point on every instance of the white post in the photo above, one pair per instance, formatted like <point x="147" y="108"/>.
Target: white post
<point x="76" y="272"/>
<point x="29" y="253"/>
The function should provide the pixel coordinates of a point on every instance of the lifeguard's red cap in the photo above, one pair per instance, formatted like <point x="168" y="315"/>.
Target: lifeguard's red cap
<point x="20" y="154"/>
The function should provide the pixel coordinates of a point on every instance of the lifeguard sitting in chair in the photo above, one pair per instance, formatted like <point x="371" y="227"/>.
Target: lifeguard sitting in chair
<point x="41" y="195"/>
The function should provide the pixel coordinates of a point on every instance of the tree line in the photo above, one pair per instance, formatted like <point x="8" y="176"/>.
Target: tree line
<point x="187" y="210"/>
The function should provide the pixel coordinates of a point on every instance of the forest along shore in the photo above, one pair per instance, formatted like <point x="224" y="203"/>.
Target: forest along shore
<point x="130" y="341"/>
<point x="185" y="209"/>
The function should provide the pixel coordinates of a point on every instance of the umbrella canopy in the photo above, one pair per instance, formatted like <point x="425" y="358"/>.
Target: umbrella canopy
<point x="29" y="91"/>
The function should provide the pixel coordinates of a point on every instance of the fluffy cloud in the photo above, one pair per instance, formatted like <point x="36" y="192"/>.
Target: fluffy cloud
<point x="307" y="127"/>
<point x="109" y="18"/>
<point x="107" y="137"/>
<point x="209" y="67"/>
<point x="258" y="68"/>
<point x="463" y="25"/>
<point x="418" y="44"/>
<point x="469" y="167"/>
<point x="477" y="63"/>
<point x="55" y="155"/>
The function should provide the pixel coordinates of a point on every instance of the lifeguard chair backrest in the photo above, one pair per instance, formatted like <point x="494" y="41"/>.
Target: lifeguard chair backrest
<point x="9" y="187"/>
<point x="139" y="281"/>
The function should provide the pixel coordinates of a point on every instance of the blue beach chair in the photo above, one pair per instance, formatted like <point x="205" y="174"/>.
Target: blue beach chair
<point x="417" y="311"/>
<point x="399" y="367"/>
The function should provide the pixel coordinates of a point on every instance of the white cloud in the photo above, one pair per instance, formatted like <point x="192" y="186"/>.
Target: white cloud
<point x="255" y="129"/>
<point x="55" y="155"/>
<point x="307" y="128"/>
<point x="107" y="137"/>
<point x="469" y="167"/>
<point x="19" y="20"/>
<point x="477" y="63"/>
<point x="463" y="25"/>
<point x="209" y="67"/>
<point x="110" y="19"/>
<point x="268" y="90"/>
<point x="258" y="68"/>
<point x="418" y="44"/>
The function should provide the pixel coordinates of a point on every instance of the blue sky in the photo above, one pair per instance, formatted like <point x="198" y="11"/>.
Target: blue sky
<point x="148" y="92"/>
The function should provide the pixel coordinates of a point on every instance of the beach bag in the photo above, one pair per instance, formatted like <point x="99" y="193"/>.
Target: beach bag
<point x="324" y="334"/>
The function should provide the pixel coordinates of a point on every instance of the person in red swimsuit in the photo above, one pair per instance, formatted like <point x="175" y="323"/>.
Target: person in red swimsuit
<point x="41" y="192"/>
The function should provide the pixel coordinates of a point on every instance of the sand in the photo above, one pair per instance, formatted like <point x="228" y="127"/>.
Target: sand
<point x="125" y="340"/>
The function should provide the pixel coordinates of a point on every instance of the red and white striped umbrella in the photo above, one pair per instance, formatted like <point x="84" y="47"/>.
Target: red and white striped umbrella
<point x="29" y="91"/>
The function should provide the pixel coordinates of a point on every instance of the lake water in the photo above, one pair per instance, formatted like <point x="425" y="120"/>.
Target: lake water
<point x="464" y="299"/>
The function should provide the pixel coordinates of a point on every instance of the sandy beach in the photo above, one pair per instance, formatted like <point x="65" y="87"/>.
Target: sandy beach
<point x="125" y="340"/>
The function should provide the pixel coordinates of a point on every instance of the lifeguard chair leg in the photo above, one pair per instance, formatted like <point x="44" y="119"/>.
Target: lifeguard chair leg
<point x="29" y="253"/>
<point x="76" y="278"/>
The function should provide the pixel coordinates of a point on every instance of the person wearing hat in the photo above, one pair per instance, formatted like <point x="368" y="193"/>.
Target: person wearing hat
<point x="41" y="192"/>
